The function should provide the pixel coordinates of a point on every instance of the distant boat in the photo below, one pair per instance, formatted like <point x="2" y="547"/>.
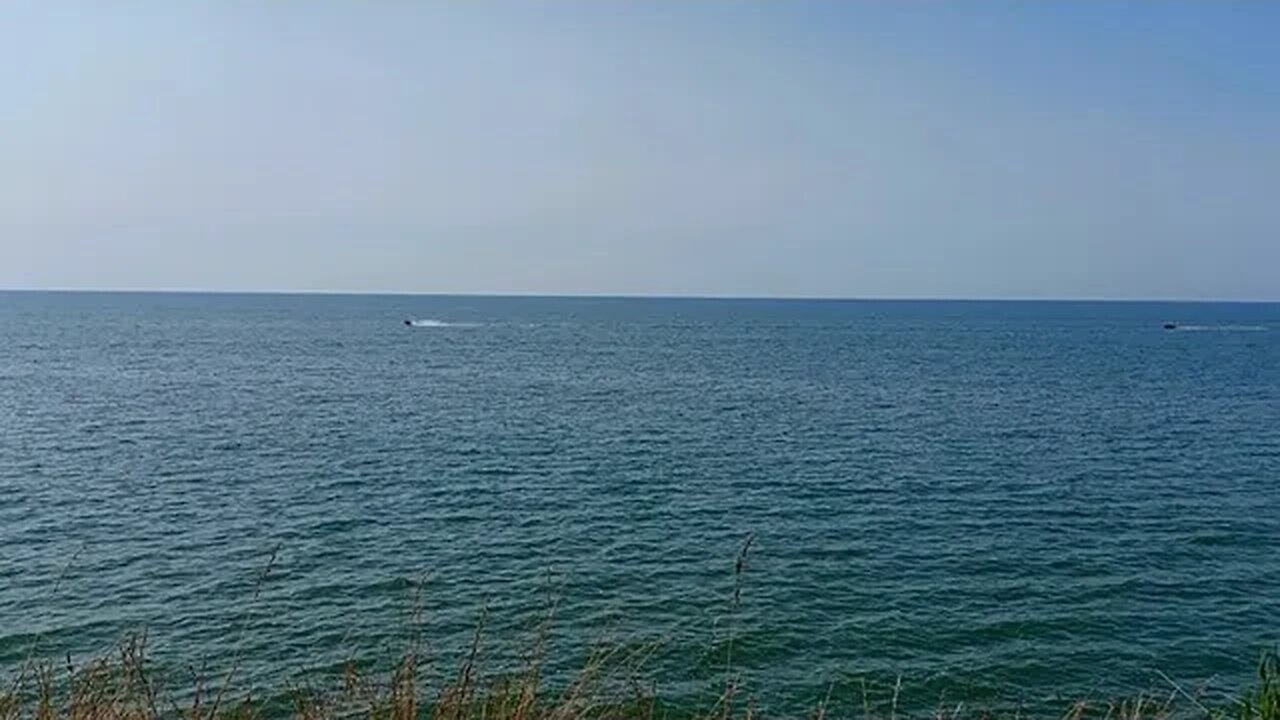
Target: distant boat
<point x="408" y="322"/>
<point x="1171" y="326"/>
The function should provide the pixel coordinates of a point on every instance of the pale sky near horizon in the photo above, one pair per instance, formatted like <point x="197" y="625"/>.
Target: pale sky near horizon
<point x="983" y="149"/>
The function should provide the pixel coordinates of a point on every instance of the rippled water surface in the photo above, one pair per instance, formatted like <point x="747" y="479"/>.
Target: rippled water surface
<point x="1029" y="499"/>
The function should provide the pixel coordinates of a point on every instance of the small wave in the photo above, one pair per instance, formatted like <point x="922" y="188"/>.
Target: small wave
<point x="429" y="323"/>
<point x="1221" y="328"/>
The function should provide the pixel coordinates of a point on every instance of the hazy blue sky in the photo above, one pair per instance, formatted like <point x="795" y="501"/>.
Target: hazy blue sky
<point x="818" y="149"/>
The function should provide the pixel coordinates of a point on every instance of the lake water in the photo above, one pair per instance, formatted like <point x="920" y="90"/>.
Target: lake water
<point x="1030" y="500"/>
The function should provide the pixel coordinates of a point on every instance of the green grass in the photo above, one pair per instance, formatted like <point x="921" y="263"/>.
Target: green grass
<point x="612" y="683"/>
<point x="125" y="685"/>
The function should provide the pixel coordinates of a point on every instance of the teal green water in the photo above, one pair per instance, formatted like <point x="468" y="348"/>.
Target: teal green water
<point x="1029" y="500"/>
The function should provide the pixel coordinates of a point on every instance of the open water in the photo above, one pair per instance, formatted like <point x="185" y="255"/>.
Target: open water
<point x="1024" y="500"/>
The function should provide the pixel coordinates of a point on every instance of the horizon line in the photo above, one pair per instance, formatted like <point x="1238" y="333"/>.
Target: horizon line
<point x="634" y="296"/>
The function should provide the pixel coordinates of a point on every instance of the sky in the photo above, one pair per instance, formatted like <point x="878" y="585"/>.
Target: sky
<point x="814" y="149"/>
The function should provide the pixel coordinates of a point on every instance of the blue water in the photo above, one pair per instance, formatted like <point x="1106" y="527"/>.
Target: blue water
<point x="1022" y="500"/>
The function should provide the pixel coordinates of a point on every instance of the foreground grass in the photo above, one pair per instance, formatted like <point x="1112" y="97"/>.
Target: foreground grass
<point x="611" y="684"/>
<point x="125" y="685"/>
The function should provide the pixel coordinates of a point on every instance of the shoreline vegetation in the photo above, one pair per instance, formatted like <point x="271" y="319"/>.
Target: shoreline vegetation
<point x="611" y="683"/>
<point x="126" y="684"/>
